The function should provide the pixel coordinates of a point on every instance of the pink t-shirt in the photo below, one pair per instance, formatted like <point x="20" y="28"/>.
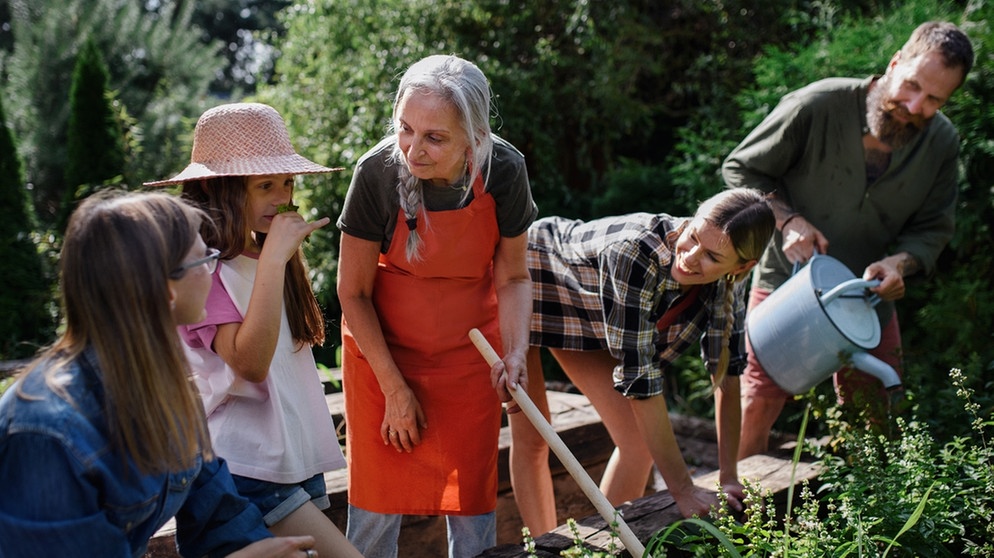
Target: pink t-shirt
<point x="220" y="310"/>
<point x="277" y="430"/>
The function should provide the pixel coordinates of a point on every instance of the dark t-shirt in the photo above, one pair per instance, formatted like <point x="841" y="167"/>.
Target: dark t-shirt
<point x="372" y="206"/>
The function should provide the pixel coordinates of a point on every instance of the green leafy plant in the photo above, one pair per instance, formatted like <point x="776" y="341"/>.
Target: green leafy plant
<point x="26" y="307"/>
<point x="904" y="495"/>
<point x="579" y="549"/>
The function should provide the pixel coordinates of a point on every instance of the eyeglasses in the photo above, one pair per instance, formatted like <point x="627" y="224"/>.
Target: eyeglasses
<point x="210" y="259"/>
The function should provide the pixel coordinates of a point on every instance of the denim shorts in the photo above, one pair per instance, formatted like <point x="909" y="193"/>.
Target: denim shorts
<point x="277" y="501"/>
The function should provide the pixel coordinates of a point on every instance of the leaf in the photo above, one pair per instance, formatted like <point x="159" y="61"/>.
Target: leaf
<point x="913" y="519"/>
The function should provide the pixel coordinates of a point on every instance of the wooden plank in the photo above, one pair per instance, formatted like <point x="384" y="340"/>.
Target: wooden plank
<point x="648" y="515"/>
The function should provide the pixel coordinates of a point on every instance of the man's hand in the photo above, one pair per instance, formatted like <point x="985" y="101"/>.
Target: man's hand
<point x="891" y="272"/>
<point x="801" y="239"/>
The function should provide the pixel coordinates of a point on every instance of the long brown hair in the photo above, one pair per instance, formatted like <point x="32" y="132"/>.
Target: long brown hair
<point x="118" y="253"/>
<point x="225" y="200"/>
<point x="745" y="216"/>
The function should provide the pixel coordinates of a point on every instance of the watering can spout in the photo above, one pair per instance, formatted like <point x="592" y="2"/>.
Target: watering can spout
<point x="876" y="368"/>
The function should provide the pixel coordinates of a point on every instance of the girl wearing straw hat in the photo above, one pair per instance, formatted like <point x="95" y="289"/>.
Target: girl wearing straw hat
<point x="102" y="438"/>
<point x="251" y="356"/>
<point x="434" y="230"/>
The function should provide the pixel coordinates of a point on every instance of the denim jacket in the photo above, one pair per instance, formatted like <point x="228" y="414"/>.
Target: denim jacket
<point x="67" y="493"/>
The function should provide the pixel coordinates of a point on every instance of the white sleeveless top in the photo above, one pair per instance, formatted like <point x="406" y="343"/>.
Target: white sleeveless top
<point x="279" y="430"/>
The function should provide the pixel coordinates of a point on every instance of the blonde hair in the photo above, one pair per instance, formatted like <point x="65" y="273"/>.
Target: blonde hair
<point x="745" y="216"/>
<point x="115" y="264"/>
<point x="463" y="85"/>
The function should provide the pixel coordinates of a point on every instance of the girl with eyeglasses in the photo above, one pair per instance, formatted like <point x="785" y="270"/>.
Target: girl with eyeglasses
<point x="102" y="437"/>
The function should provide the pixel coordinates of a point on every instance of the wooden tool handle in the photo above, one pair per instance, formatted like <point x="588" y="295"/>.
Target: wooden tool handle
<point x="556" y="444"/>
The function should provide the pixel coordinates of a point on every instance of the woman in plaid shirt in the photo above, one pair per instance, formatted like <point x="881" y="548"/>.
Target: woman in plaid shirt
<point x="622" y="298"/>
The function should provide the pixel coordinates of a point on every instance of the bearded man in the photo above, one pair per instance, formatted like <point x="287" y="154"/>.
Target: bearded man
<point x="864" y="170"/>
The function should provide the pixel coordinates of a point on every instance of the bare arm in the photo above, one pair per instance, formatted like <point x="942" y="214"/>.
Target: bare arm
<point x="248" y="347"/>
<point x="653" y="421"/>
<point x="514" y="299"/>
<point x="728" y="424"/>
<point x="357" y="263"/>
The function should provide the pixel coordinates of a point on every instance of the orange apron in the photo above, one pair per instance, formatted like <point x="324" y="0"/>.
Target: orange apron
<point x="426" y="310"/>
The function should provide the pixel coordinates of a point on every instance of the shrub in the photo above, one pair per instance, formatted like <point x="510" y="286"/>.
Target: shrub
<point x="902" y="496"/>
<point x="95" y="143"/>
<point x="25" y="309"/>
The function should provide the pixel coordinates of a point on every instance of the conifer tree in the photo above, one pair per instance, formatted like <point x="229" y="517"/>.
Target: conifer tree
<point x="160" y="70"/>
<point x="25" y="321"/>
<point x="95" y="145"/>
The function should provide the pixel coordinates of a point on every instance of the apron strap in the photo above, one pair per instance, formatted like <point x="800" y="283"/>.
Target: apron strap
<point x="675" y="310"/>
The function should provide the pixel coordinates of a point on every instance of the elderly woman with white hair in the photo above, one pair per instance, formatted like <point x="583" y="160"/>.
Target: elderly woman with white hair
<point x="434" y="225"/>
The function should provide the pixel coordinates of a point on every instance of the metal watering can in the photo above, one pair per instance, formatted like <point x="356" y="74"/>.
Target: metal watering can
<point x="818" y="321"/>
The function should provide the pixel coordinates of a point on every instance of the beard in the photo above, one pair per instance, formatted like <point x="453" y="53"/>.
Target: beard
<point x="884" y="125"/>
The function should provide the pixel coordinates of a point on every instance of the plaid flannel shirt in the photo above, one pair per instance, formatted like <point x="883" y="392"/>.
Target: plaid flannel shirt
<point x="604" y="284"/>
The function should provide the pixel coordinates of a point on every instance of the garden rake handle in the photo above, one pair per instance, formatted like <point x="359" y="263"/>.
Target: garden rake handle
<point x="579" y="474"/>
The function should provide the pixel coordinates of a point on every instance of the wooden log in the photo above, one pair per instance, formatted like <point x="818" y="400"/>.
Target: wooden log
<point x="648" y="515"/>
<point x="573" y="418"/>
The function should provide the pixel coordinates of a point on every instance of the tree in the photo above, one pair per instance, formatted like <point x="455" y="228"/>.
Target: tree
<point x="591" y="92"/>
<point x="333" y="86"/>
<point x="25" y="296"/>
<point x="953" y="312"/>
<point x="94" y="139"/>
<point x="159" y="67"/>
<point x="249" y="31"/>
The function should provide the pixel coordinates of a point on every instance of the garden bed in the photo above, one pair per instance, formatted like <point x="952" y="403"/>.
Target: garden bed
<point x="578" y="424"/>
<point x="651" y="513"/>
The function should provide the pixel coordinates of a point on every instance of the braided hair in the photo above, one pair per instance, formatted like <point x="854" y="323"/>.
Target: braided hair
<point x="463" y="85"/>
<point x="745" y="216"/>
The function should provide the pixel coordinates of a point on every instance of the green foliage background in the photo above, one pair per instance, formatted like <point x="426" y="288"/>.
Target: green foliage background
<point x="948" y="319"/>
<point x="618" y="106"/>
<point x="628" y="107"/>
<point x="95" y="143"/>
<point x="25" y="300"/>
<point x="158" y="70"/>
<point x="593" y="93"/>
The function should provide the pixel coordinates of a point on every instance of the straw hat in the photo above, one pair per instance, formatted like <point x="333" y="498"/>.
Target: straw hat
<point x="242" y="139"/>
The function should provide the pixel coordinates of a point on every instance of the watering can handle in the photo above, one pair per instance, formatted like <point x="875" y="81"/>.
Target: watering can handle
<point x="851" y="285"/>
